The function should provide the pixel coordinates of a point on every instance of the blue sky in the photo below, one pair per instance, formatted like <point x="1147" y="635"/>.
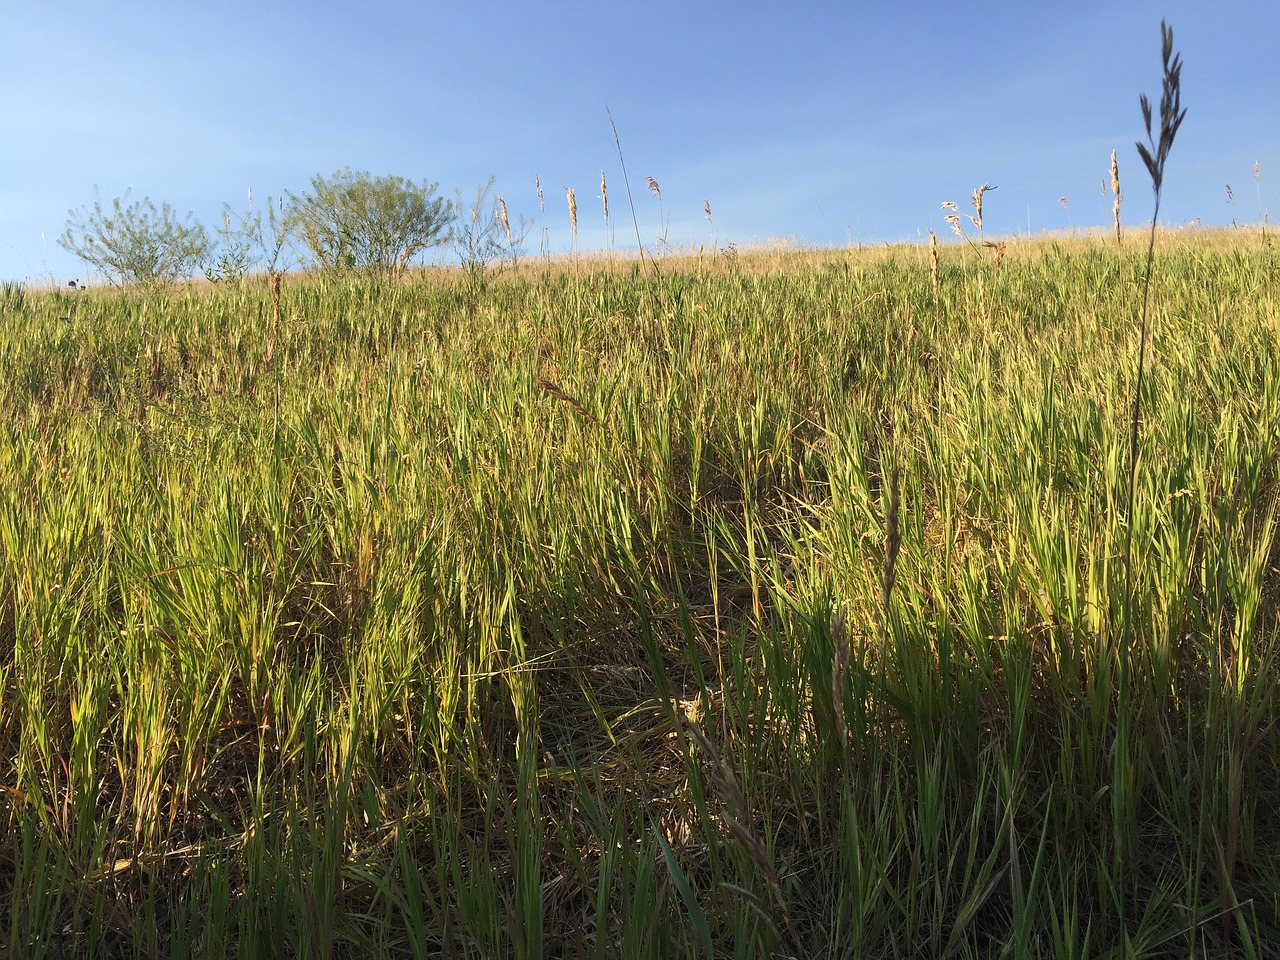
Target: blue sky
<point x="826" y="123"/>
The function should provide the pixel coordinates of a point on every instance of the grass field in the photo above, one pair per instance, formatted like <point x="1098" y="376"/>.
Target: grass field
<point x="759" y="607"/>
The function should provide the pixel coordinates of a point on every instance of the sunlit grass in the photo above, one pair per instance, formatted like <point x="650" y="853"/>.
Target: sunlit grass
<point x="550" y="620"/>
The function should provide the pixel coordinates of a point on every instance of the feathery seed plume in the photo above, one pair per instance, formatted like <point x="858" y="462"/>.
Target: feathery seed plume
<point x="502" y="215"/>
<point x="978" y="193"/>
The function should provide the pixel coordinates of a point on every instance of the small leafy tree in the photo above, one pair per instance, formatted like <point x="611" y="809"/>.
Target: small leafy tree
<point x="247" y="241"/>
<point x="355" y="221"/>
<point x="233" y="256"/>
<point x="136" y="243"/>
<point x="483" y="233"/>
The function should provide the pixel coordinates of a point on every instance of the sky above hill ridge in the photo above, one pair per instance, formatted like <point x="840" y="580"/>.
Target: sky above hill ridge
<point x="827" y="123"/>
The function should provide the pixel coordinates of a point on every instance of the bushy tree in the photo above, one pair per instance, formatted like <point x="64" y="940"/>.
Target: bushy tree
<point x="136" y="243"/>
<point x="483" y="233"/>
<point x="353" y="221"/>
<point x="231" y="259"/>
<point x="248" y="241"/>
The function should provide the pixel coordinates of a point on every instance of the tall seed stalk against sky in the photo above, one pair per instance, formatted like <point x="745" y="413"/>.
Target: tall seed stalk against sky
<point x="573" y="212"/>
<point x="1154" y="154"/>
<point x="1115" y="192"/>
<point x="976" y="219"/>
<point x="978" y="193"/>
<point x="502" y="215"/>
<point x="662" y="220"/>
<point x="626" y="183"/>
<point x="1263" y="215"/>
<point x="542" y="210"/>
<point x="604" y="200"/>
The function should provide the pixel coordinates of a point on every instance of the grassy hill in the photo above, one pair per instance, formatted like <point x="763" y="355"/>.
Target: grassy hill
<point x="750" y="606"/>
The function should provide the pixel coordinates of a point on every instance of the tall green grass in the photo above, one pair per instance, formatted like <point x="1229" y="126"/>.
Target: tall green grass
<point x="551" y="621"/>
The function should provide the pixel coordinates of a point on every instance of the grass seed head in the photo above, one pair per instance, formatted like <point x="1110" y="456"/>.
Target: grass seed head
<point x="604" y="196"/>
<point x="1115" y="192"/>
<point x="1160" y="141"/>
<point x="502" y="215"/>
<point x="978" y="194"/>
<point x="573" y="209"/>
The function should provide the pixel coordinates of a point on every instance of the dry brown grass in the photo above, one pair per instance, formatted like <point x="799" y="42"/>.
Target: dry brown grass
<point x="790" y="256"/>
